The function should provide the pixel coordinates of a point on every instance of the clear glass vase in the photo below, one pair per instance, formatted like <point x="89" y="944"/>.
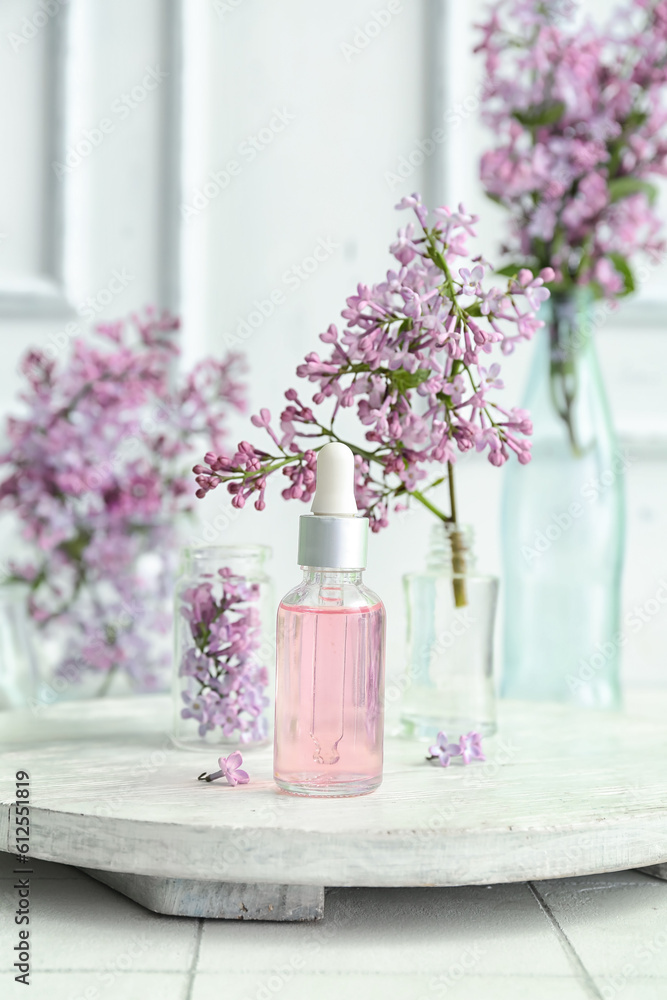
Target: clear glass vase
<point x="451" y="614"/>
<point x="18" y="668"/>
<point x="115" y="640"/>
<point x="224" y="648"/>
<point x="563" y="526"/>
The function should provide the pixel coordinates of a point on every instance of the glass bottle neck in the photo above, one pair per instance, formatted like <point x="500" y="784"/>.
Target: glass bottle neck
<point x="569" y="325"/>
<point x="452" y="549"/>
<point x="331" y="577"/>
<point x="565" y="392"/>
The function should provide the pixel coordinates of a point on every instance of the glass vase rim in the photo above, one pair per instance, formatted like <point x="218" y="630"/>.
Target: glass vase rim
<point x="578" y="293"/>
<point x="465" y="528"/>
<point x="249" y="550"/>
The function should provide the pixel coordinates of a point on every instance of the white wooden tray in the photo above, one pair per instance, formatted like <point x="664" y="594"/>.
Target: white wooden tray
<point x="563" y="792"/>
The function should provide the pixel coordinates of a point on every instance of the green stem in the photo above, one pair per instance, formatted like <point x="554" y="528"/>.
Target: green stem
<point x="368" y="455"/>
<point x="106" y="683"/>
<point x="452" y="494"/>
<point x="458" y="550"/>
<point x="560" y="390"/>
<point x="563" y="381"/>
<point x="430" y="506"/>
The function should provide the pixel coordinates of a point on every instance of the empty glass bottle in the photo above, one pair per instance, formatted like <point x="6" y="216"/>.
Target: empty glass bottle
<point x="563" y="526"/>
<point x="451" y="614"/>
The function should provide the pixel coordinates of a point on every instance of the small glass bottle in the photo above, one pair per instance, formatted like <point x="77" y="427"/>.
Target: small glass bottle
<point x="451" y="613"/>
<point x="330" y="650"/>
<point x="223" y="648"/>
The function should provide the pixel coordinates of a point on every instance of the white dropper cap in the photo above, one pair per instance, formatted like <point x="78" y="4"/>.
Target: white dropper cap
<point x="333" y="536"/>
<point x="334" y="494"/>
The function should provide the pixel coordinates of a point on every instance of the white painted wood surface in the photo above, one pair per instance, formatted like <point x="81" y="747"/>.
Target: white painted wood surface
<point x="562" y="793"/>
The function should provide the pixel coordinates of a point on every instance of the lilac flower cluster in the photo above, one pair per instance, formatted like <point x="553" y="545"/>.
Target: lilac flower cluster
<point x="469" y="747"/>
<point x="223" y="658"/>
<point x="412" y="360"/>
<point x="579" y="114"/>
<point x="95" y="474"/>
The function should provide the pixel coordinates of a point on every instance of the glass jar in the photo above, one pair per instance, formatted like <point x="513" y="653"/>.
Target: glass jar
<point x="224" y="648"/>
<point x="564" y="525"/>
<point x="451" y="613"/>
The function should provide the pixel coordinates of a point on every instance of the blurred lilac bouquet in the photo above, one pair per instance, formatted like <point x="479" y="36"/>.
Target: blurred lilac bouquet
<point x="223" y="659"/>
<point x="579" y="117"/>
<point x="95" y="473"/>
<point x="411" y="358"/>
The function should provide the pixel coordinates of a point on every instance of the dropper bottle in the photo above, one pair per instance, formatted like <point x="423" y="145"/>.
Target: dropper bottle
<point x="330" y="649"/>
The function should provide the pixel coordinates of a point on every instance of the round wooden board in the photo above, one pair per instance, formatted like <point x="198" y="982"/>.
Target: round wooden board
<point x="563" y="792"/>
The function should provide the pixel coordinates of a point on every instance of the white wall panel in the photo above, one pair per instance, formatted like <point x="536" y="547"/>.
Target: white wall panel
<point x="84" y="178"/>
<point x="342" y="99"/>
<point x="353" y="112"/>
<point x="24" y="75"/>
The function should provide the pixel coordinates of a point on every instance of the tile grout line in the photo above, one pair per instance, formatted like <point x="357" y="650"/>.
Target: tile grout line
<point x="566" y="944"/>
<point x="526" y="977"/>
<point x="195" y="959"/>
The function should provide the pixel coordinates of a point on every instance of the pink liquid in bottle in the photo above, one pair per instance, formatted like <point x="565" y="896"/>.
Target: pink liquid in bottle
<point x="329" y="699"/>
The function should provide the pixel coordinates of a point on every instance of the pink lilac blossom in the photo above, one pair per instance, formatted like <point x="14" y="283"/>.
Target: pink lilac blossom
<point x="230" y="769"/>
<point x="469" y="747"/>
<point x="579" y="116"/>
<point x="223" y="659"/>
<point x="94" y="472"/>
<point x="411" y="360"/>
<point x="443" y="750"/>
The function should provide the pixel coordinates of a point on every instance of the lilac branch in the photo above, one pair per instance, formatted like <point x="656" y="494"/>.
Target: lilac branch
<point x="409" y="360"/>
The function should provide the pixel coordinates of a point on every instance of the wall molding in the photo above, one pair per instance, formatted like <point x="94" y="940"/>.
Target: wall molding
<point x="437" y="36"/>
<point x="49" y="293"/>
<point x="170" y="273"/>
<point x="185" y="265"/>
<point x="637" y="312"/>
<point x="53" y="292"/>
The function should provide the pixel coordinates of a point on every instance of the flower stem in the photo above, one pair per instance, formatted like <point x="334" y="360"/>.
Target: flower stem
<point x="452" y="493"/>
<point x="563" y="381"/>
<point x="429" y="506"/>
<point x="458" y="548"/>
<point x="106" y="683"/>
<point x="367" y="455"/>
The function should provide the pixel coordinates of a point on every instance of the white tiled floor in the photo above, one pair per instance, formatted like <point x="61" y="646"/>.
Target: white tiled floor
<point x="407" y="931"/>
<point x="618" y="926"/>
<point x="599" y="937"/>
